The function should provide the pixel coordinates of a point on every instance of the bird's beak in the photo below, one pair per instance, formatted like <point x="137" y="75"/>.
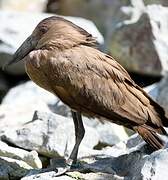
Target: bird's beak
<point x="28" y="45"/>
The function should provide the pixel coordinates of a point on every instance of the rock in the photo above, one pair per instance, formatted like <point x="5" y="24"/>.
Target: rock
<point x="132" y="44"/>
<point x="45" y="176"/>
<point x="111" y="133"/>
<point x="23" y="5"/>
<point x="12" y="168"/>
<point x="158" y="92"/>
<point x="162" y="94"/>
<point x="159" y="2"/>
<point x="136" y="163"/>
<point x="150" y="33"/>
<point x="132" y="165"/>
<point x="152" y="90"/>
<point x="34" y="94"/>
<point x="12" y="34"/>
<point x="155" y="167"/>
<point x="46" y="134"/>
<point x="94" y="176"/>
<point x="13" y="116"/>
<point x="31" y="158"/>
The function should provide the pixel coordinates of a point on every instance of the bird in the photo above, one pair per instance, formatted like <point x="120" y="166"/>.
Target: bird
<point x="63" y="58"/>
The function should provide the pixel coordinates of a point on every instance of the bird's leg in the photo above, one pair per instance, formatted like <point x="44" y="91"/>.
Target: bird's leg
<point x="79" y="134"/>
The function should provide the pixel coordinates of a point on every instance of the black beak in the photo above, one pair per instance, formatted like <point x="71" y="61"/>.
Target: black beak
<point x="28" y="45"/>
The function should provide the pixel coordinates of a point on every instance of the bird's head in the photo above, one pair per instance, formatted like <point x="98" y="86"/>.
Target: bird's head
<point x="50" y="33"/>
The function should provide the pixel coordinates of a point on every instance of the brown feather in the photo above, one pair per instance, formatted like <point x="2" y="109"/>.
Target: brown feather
<point x="92" y="82"/>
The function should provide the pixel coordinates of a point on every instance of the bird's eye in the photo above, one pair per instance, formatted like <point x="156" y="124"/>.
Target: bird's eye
<point x="43" y="30"/>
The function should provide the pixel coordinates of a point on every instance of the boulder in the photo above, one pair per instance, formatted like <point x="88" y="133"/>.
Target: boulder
<point x="12" y="34"/>
<point x="38" y="175"/>
<point x="30" y="93"/>
<point x="23" y="5"/>
<point x="159" y="91"/>
<point x="31" y="158"/>
<point x="132" y="45"/>
<point x="139" y="162"/>
<point x="12" y="168"/>
<point x="159" y="2"/>
<point x="46" y="134"/>
<point x="140" y="43"/>
<point x="70" y="176"/>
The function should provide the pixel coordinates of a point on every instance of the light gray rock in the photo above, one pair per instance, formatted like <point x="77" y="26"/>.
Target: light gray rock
<point x="152" y="20"/>
<point x="49" y="134"/>
<point x="133" y="45"/>
<point x="17" y="26"/>
<point x="159" y="91"/>
<point x="156" y="165"/>
<point x="94" y="176"/>
<point x="29" y="93"/>
<point x="45" y="176"/>
<point x="152" y="90"/>
<point x="31" y="158"/>
<point x="12" y="168"/>
<point x="111" y="133"/>
<point x="23" y="5"/>
<point x="134" y="165"/>
<point x="13" y="116"/>
<point x="137" y="163"/>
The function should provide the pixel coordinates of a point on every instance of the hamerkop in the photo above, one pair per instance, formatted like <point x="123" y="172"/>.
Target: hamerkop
<point x="61" y="58"/>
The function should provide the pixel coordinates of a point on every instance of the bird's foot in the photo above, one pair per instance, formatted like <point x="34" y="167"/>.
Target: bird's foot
<point x="61" y="171"/>
<point x="69" y="165"/>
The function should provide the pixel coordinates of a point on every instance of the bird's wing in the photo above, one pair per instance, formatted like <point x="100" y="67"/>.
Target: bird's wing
<point x="99" y="85"/>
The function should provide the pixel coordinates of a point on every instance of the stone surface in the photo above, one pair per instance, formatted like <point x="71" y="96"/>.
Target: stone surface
<point x="151" y="24"/>
<point x="72" y="175"/>
<point x="160" y="2"/>
<point x="12" y="168"/>
<point x="23" y="5"/>
<point x="155" y="167"/>
<point x="136" y="164"/>
<point x="46" y="134"/>
<point x="45" y="176"/>
<point x="13" y="116"/>
<point x="31" y="158"/>
<point x="35" y="94"/>
<point x="12" y="34"/>
<point x="94" y="176"/>
<point x="132" y="44"/>
<point x="159" y="92"/>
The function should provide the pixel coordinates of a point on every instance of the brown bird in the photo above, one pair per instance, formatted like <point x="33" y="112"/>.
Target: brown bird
<point x="61" y="58"/>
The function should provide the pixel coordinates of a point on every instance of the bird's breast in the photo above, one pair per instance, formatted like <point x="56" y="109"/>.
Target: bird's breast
<point x="34" y="69"/>
<point x="40" y="71"/>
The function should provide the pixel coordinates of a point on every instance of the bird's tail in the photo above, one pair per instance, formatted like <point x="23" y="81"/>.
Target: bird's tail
<point x="150" y="136"/>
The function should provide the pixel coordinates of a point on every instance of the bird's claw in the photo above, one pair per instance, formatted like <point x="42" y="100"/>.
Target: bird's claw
<point x="61" y="171"/>
<point x="69" y="166"/>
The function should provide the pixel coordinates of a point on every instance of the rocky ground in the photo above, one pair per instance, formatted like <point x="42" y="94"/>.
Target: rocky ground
<point x="36" y="129"/>
<point x="34" y="140"/>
